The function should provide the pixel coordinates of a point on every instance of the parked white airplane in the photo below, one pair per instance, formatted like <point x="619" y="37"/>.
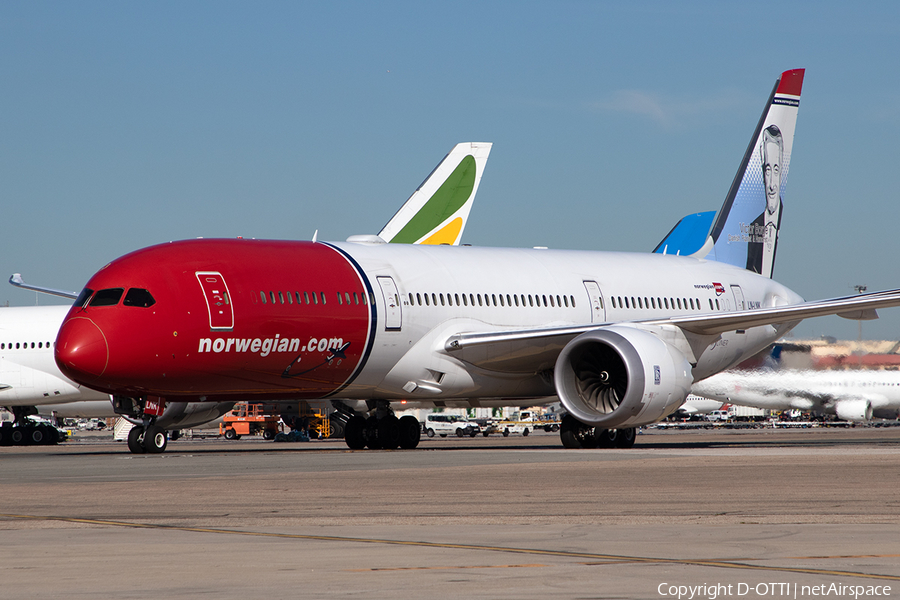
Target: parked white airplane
<point x="31" y="383"/>
<point x="618" y="337"/>
<point x="851" y="395"/>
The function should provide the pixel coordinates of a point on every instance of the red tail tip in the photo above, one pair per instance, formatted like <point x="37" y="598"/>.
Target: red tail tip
<point x="791" y="82"/>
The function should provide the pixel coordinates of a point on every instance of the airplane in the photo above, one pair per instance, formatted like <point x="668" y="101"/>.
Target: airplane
<point x="618" y="337"/>
<point x="851" y="395"/>
<point x="31" y="383"/>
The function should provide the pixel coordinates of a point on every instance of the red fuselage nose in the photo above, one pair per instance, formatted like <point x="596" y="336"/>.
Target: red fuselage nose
<point x="82" y="352"/>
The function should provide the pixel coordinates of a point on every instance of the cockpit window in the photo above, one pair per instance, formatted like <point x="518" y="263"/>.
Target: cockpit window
<point x="138" y="297"/>
<point x="82" y="298"/>
<point x="108" y="297"/>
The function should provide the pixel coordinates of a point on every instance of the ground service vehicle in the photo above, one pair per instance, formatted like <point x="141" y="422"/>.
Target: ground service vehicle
<point x="249" y="419"/>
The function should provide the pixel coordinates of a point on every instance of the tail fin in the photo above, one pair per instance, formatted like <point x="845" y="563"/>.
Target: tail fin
<point x="745" y="232"/>
<point x="688" y="236"/>
<point x="437" y="211"/>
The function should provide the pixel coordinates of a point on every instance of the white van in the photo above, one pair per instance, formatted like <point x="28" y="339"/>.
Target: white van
<point x="442" y="424"/>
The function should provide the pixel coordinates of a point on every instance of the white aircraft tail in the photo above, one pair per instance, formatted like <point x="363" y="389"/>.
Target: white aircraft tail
<point x="745" y="232"/>
<point x="438" y="210"/>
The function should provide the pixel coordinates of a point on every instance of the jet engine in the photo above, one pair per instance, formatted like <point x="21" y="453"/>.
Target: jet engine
<point x="184" y="415"/>
<point x="620" y="376"/>
<point x="854" y="410"/>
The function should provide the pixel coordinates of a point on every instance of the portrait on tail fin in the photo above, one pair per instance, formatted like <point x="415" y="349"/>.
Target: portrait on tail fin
<point x="764" y="229"/>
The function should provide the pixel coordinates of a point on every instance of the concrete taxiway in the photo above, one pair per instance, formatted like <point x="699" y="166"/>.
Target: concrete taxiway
<point x="476" y="517"/>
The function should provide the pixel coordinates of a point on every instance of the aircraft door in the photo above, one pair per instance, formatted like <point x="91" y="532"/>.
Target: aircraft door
<point x="598" y="312"/>
<point x="738" y="297"/>
<point x="218" y="301"/>
<point x="392" y="315"/>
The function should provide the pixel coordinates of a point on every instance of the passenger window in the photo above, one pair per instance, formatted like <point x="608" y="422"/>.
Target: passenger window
<point x="323" y="297"/>
<point x="140" y="298"/>
<point x="281" y="297"/>
<point x="108" y="297"/>
<point x="272" y="295"/>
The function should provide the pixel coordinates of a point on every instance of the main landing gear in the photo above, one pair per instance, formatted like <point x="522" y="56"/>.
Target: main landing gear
<point x="575" y="434"/>
<point x="382" y="430"/>
<point x="25" y="432"/>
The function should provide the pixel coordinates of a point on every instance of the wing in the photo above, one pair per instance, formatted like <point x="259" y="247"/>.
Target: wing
<point x="532" y="350"/>
<point x="16" y="280"/>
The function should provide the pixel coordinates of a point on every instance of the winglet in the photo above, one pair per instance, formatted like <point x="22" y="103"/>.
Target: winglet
<point x="437" y="211"/>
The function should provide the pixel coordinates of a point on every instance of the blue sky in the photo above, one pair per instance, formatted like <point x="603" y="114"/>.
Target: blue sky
<point x="126" y="124"/>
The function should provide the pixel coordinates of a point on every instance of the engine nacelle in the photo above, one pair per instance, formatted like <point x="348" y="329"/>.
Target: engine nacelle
<point x="621" y="376"/>
<point x="854" y="410"/>
<point x="184" y="415"/>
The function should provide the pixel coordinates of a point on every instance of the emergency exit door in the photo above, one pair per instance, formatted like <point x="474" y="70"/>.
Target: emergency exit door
<point x="392" y="315"/>
<point x="218" y="301"/>
<point x="598" y="312"/>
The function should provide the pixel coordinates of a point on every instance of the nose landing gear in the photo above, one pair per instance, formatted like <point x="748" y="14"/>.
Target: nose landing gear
<point x="147" y="437"/>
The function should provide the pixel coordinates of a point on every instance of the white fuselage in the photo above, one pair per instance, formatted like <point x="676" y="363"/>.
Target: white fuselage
<point x="444" y="291"/>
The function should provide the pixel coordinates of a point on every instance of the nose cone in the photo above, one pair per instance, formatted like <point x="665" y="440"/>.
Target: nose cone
<point x="82" y="353"/>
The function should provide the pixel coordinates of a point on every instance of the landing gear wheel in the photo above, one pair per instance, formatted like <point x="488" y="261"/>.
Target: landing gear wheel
<point x="136" y="440"/>
<point x="410" y="432"/>
<point x="36" y="435"/>
<point x="574" y="434"/>
<point x="371" y="432"/>
<point x="626" y="438"/>
<point x="155" y="440"/>
<point x="607" y="438"/>
<point x="355" y="433"/>
<point x="17" y="437"/>
<point x="388" y="430"/>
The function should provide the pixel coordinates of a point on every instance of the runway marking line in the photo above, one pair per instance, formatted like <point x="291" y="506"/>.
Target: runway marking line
<point x="613" y="558"/>
<point x="373" y="569"/>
